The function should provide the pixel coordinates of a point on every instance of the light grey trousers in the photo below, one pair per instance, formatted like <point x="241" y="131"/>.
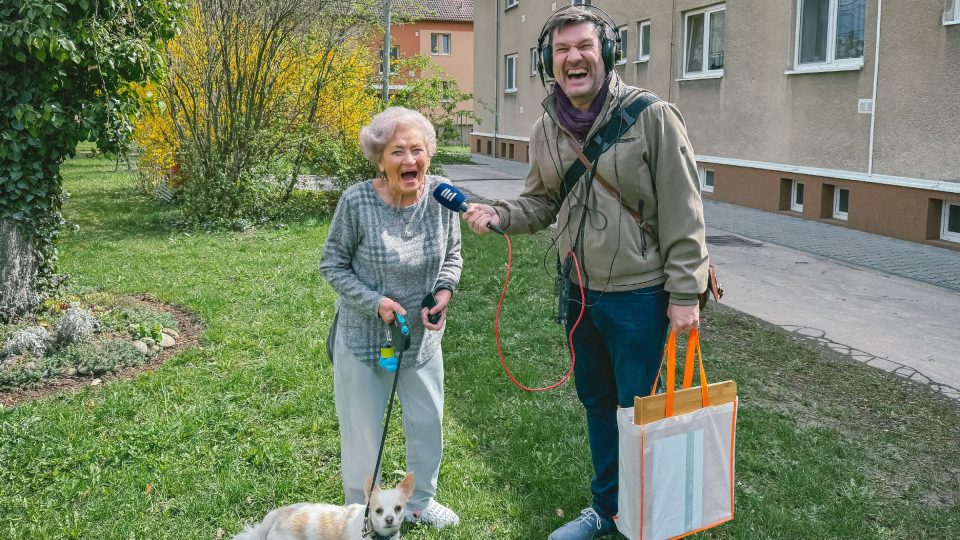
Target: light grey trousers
<point x="361" y="396"/>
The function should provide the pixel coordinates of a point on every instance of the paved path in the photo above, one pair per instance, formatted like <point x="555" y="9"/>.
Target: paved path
<point x="892" y="304"/>
<point x="929" y="264"/>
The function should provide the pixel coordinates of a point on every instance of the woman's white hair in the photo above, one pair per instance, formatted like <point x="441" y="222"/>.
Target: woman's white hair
<point x="375" y="135"/>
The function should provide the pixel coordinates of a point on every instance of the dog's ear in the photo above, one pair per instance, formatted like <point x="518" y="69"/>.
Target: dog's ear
<point x="406" y="485"/>
<point x="368" y="487"/>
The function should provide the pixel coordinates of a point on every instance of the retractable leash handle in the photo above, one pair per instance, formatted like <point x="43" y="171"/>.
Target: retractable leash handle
<point x="399" y="339"/>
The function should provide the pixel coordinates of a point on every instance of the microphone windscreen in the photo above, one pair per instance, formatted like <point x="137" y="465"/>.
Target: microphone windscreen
<point x="450" y="197"/>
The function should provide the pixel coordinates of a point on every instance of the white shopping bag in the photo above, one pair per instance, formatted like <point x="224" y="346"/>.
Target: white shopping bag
<point x="677" y="455"/>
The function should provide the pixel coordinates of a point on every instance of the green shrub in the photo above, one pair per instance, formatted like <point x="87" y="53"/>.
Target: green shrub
<point x="310" y="204"/>
<point x="445" y="156"/>
<point x="340" y="160"/>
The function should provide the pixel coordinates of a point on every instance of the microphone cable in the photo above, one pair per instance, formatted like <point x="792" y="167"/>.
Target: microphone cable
<point x="496" y="324"/>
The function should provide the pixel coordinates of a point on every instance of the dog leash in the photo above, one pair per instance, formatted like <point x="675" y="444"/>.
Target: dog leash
<point x="401" y="339"/>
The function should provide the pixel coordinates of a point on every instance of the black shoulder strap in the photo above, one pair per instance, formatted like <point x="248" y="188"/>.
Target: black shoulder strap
<point x="621" y="120"/>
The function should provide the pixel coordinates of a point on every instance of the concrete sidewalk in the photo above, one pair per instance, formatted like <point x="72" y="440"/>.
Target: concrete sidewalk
<point x="892" y="304"/>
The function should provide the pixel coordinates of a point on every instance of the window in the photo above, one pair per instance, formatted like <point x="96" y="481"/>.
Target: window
<point x="951" y="12"/>
<point x="620" y="54"/>
<point x="706" y="179"/>
<point x="796" y="196"/>
<point x="950" y="223"/>
<point x="510" y="73"/>
<point x="703" y="45"/>
<point x="511" y="3"/>
<point x="830" y="33"/>
<point x="643" y="42"/>
<point x="534" y="59"/>
<point x="439" y="43"/>
<point x="579" y="2"/>
<point x="841" y="203"/>
<point x="443" y="88"/>
<point x="394" y="55"/>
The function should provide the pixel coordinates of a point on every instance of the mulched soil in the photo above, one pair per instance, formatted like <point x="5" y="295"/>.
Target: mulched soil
<point x="188" y="326"/>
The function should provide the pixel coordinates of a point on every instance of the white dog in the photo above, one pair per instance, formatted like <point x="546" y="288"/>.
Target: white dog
<point x="309" y="521"/>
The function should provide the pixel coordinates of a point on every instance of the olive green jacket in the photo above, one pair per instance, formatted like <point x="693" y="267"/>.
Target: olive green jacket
<point x="653" y="167"/>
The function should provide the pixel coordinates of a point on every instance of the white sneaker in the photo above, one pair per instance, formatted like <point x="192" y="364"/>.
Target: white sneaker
<point x="434" y="514"/>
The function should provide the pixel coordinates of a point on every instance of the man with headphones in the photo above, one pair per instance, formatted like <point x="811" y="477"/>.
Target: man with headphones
<point x="614" y="167"/>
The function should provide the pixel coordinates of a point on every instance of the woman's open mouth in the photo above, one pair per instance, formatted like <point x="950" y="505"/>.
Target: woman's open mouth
<point x="409" y="176"/>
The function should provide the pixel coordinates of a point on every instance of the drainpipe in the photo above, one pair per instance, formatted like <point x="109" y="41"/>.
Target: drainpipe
<point x="673" y="36"/>
<point x="496" y="89"/>
<point x="876" y="71"/>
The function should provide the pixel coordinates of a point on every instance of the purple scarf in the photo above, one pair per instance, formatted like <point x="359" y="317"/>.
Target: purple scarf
<point x="576" y="121"/>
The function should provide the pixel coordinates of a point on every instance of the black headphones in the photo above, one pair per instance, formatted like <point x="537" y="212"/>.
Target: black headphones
<point x="609" y="40"/>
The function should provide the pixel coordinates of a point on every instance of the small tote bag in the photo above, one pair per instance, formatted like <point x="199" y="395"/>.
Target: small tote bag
<point x="677" y="454"/>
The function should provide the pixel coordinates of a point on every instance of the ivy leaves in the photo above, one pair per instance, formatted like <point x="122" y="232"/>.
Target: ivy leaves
<point x="66" y="68"/>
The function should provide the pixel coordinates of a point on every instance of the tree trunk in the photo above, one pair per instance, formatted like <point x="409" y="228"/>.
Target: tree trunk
<point x="18" y="272"/>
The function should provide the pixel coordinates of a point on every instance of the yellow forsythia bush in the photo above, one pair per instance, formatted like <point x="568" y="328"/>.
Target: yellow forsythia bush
<point x="342" y="73"/>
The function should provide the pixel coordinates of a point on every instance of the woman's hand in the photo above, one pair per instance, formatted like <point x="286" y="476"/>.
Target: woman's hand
<point x="387" y="307"/>
<point x="443" y="298"/>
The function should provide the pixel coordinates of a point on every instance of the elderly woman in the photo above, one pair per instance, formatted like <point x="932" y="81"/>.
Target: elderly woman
<point x="389" y="246"/>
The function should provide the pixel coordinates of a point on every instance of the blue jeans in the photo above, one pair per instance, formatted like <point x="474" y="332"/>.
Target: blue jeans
<point x="619" y="345"/>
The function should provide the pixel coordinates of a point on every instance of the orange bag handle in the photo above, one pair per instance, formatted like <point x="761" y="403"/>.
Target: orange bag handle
<point x="694" y="353"/>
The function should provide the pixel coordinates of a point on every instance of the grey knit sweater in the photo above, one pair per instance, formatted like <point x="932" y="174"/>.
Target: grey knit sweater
<point x="375" y="250"/>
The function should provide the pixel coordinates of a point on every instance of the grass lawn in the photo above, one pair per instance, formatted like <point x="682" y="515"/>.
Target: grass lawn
<point x="244" y="423"/>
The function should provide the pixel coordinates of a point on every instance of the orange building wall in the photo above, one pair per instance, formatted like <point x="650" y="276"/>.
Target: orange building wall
<point x="414" y="38"/>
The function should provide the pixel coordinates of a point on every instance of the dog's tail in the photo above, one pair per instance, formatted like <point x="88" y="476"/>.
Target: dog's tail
<point x="252" y="532"/>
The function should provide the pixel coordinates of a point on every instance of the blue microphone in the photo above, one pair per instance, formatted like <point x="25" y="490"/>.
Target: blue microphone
<point x="454" y="200"/>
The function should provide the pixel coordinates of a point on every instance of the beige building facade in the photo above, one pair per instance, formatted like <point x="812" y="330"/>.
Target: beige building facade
<point x="846" y="111"/>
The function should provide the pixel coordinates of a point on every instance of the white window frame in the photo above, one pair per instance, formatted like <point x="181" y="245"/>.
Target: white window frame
<point x="622" y="50"/>
<point x="831" y="63"/>
<point x="510" y="70"/>
<point x="951" y="12"/>
<point x="945" y="234"/>
<point x="511" y="3"/>
<point x="534" y="58"/>
<point x="794" y="205"/>
<point x="837" y="214"/>
<point x="707" y="13"/>
<point x="579" y="2"/>
<point x="702" y="173"/>
<point x="640" y="26"/>
<point x="438" y="51"/>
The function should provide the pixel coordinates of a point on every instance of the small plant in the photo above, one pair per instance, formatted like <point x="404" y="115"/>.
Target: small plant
<point x="142" y="331"/>
<point x="76" y="326"/>
<point x="93" y="358"/>
<point x="32" y="340"/>
<point x="103" y="356"/>
<point x="128" y="318"/>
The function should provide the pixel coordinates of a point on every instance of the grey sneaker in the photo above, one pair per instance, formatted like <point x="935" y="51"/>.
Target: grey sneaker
<point x="434" y="514"/>
<point x="586" y="527"/>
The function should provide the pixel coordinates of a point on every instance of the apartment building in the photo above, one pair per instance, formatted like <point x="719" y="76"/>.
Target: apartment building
<point x="442" y="30"/>
<point x="843" y="111"/>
